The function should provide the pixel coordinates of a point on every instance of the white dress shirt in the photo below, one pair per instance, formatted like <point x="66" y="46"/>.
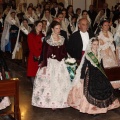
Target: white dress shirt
<point x="85" y="39"/>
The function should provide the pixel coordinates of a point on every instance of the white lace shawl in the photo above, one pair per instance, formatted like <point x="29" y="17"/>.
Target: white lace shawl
<point x="17" y="45"/>
<point x="48" y="21"/>
<point x="31" y="19"/>
<point x="52" y="42"/>
<point x="7" y="24"/>
<point x="99" y="18"/>
<point x="108" y="42"/>
<point x="18" y="9"/>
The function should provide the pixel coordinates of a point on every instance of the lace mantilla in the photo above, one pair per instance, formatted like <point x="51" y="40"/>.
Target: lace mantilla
<point x="52" y="42"/>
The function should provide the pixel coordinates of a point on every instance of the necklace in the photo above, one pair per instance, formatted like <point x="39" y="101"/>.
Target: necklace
<point x="56" y="39"/>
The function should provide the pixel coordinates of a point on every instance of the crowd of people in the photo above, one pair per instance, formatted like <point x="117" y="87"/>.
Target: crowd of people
<point x="46" y="35"/>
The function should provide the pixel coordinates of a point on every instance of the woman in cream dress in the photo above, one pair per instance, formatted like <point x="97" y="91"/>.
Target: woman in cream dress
<point x="107" y="47"/>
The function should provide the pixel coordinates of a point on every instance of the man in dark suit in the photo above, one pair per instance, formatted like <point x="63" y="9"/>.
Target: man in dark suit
<point x="106" y="10"/>
<point x="92" y="14"/>
<point x="78" y="40"/>
<point x="54" y="10"/>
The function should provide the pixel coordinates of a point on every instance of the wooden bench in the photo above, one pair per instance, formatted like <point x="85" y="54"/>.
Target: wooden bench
<point x="113" y="73"/>
<point x="11" y="88"/>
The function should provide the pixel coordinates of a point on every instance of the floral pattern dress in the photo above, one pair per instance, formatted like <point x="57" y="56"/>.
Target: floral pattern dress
<point x="108" y="50"/>
<point x="52" y="83"/>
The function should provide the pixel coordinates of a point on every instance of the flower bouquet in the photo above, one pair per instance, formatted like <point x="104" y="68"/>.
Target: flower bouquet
<point x="71" y="66"/>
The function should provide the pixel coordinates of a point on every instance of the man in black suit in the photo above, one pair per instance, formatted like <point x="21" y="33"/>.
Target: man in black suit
<point x="92" y="14"/>
<point x="54" y="10"/>
<point x="106" y="10"/>
<point x="78" y="40"/>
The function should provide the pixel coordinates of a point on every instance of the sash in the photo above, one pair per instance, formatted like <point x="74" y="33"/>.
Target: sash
<point x="13" y="21"/>
<point x="31" y="19"/>
<point x="23" y="29"/>
<point x="96" y="62"/>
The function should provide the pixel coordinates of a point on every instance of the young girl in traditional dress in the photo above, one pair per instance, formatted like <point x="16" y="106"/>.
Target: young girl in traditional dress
<point x="93" y="93"/>
<point x="52" y="82"/>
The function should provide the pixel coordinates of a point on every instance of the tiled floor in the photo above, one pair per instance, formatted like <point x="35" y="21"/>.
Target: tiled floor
<point x="28" y="112"/>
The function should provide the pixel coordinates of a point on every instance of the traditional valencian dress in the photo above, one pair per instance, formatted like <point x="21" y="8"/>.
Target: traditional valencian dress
<point x="31" y="18"/>
<point x="52" y="82"/>
<point x="8" y="38"/>
<point x="21" y="47"/>
<point x="93" y="93"/>
<point x="108" y="50"/>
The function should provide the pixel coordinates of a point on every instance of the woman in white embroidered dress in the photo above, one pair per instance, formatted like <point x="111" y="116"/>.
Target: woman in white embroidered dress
<point x="107" y="47"/>
<point x="47" y="16"/>
<point x="10" y="31"/>
<point x="52" y="82"/>
<point x="100" y="17"/>
<point x="64" y="26"/>
<point x="20" y="11"/>
<point x="30" y="16"/>
<point x="21" y="49"/>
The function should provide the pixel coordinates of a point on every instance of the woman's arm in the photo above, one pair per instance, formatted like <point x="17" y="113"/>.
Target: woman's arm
<point x="44" y="55"/>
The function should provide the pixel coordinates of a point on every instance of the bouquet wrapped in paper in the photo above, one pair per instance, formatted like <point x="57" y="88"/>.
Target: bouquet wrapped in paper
<point x="71" y="66"/>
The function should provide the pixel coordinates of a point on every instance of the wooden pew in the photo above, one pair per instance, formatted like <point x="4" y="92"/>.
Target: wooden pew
<point x="113" y="73"/>
<point x="11" y="88"/>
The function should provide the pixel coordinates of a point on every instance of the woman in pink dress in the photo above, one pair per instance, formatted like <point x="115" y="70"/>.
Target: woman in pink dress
<point x="93" y="93"/>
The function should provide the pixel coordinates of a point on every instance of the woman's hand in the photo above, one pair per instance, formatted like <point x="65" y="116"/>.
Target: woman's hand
<point x="101" y="42"/>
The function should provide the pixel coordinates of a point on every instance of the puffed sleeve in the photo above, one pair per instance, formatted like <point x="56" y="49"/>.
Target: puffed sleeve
<point x="44" y="56"/>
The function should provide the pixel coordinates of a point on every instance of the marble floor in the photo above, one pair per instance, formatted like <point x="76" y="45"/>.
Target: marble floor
<point x="28" y="112"/>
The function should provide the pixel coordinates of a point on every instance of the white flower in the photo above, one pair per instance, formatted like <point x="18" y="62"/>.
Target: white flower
<point x="70" y="60"/>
